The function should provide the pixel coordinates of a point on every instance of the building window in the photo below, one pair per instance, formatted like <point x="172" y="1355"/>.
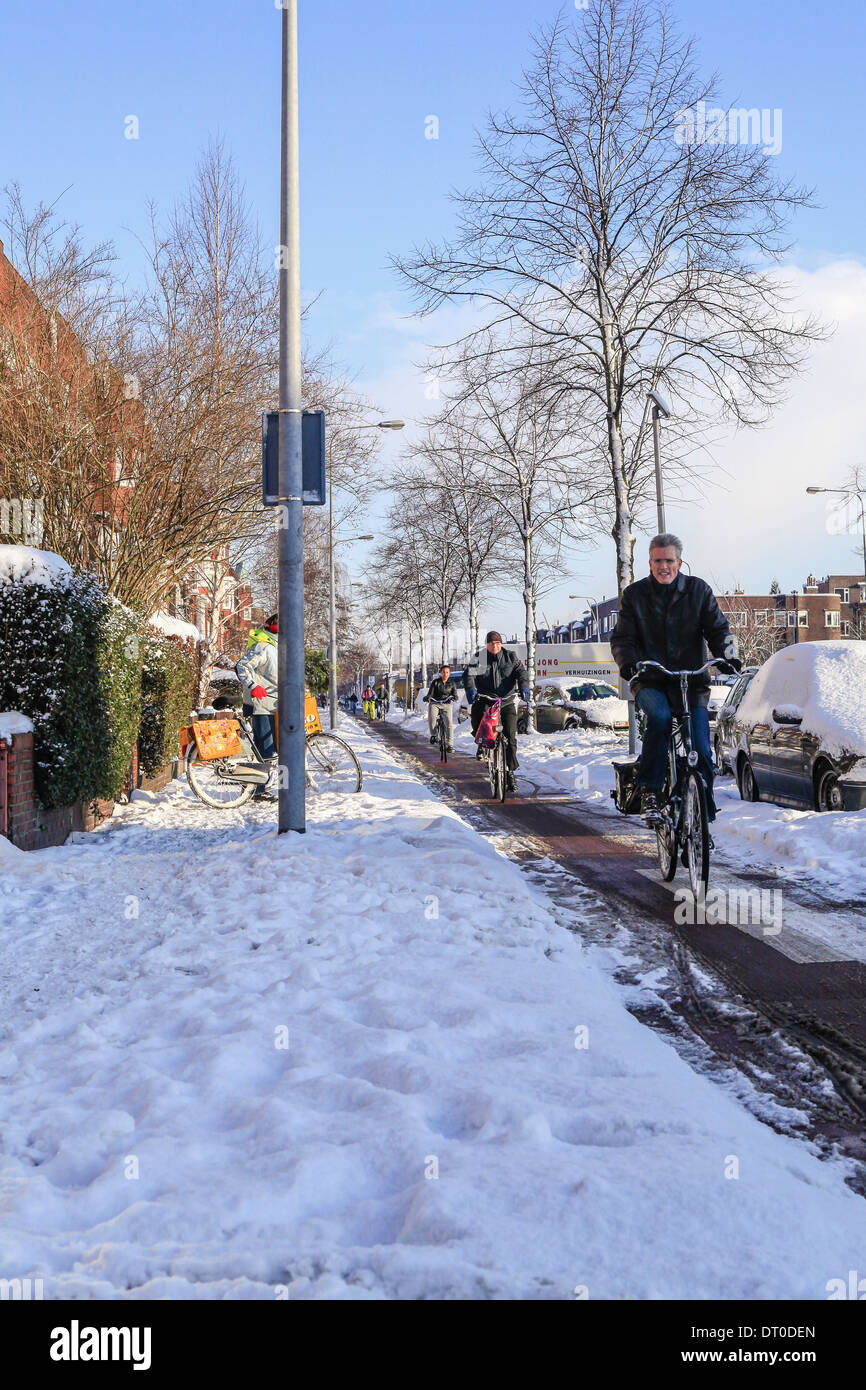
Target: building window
<point x="761" y="617"/>
<point x="846" y="629"/>
<point x="791" y="617"/>
<point x="831" y="618"/>
<point x="844" y="594"/>
<point x="780" y="618"/>
<point x="802" y="617"/>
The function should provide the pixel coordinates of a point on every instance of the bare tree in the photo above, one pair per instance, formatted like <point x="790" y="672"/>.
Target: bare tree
<point x="523" y="429"/>
<point x="605" y="221"/>
<point x="454" y="491"/>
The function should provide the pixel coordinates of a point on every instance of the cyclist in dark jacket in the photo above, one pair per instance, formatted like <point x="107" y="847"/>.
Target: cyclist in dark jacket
<point x="442" y="693"/>
<point x="668" y="617"/>
<point x="501" y="676"/>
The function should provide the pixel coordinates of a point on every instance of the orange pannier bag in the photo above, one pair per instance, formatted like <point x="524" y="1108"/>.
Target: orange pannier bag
<point x="217" y="738"/>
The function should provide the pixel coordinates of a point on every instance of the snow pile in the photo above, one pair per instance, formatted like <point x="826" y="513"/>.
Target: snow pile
<point x="10" y="855"/>
<point x="825" y="682"/>
<point x="175" y="627"/>
<point x="24" y="564"/>
<point x="362" y="1063"/>
<point x="11" y="723"/>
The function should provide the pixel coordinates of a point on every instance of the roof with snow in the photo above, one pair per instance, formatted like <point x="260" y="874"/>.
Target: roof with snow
<point x="174" y="627"/>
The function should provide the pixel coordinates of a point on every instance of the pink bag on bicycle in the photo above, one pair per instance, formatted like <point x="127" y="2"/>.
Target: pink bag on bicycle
<point x="489" y="726"/>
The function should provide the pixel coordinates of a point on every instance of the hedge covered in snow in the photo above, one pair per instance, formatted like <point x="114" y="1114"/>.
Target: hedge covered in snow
<point x="169" y="680"/>
<point x="68" y="660"/>
<point x="92" y="676"/>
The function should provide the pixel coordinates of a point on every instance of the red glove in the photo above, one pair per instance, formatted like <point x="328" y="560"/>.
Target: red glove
<point x="259" y="693"/>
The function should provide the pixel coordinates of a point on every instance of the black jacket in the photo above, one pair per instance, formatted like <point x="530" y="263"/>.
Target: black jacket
<point x="502" y="674"/>
<point x="442" y="691"/>
<point x="654" y="627"/>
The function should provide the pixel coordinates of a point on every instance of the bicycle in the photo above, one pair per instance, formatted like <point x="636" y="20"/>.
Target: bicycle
<point x="684" y="827"/>
<point x="228" y="781"/>
<point x="497" y="769"/>
<point x="441" y="734"/>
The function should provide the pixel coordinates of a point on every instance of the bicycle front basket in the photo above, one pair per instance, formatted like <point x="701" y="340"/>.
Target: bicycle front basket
<point x="216" y="738"/>
<point x="626" y="794"/>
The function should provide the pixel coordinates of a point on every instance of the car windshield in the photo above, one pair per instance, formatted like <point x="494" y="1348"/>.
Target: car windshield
<point x="593" y="690"/>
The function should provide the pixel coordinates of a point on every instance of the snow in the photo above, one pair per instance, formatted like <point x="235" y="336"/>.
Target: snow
<point x="174" y="627"/>
<point x="10" y="855"/>
<point x="24" y="564"/>
<point x="823" y="681"/>
<point x="11" y="723"/>
<point x="829" y="847"/>
<point x="434" y="1128"/>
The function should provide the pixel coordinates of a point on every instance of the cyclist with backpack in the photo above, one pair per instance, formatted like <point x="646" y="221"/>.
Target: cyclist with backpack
<point x="441" y="696"/>
<point x="501" y="675"/>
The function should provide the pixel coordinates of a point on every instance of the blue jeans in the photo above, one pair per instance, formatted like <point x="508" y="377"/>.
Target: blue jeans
<point x="655" y="706"/>
<point x="264" y="733"/>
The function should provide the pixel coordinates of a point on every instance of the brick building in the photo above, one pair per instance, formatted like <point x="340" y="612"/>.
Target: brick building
<point x="851" y="590"/>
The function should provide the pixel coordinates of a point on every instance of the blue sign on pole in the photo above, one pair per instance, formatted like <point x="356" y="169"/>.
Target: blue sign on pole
<point x="314" y="463"/>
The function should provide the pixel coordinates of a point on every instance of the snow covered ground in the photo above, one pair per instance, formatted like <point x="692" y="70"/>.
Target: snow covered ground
<point x="829" y="847"/>
<point x="362" y="1063"/>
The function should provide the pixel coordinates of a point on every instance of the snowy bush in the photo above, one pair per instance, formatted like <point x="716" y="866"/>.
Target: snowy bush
<point x="169" y="681"/>
<point x="69" y="660"/>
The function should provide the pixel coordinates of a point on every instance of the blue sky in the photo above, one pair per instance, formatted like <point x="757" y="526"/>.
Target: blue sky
<point x="372" y="184"/>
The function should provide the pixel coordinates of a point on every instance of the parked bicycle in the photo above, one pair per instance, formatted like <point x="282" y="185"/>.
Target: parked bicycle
<point x="497" y="768"/>
<point x="224" y="767"/>
<point x="684" y="829"/>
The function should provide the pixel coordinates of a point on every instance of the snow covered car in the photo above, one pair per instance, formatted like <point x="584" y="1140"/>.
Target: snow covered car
<point x="589" y="704"/>
<point x="798" y="735"/>
<point x="724" y="735"/>
<point x="720" y="693"/>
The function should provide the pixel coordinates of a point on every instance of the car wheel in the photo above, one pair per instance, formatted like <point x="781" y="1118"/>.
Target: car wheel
<point x="748" y="785"/>
<point x="721" y="765"/>
<point x="828" y="796"/>
<point x="523" y="725"/>
<point x="571" y="724"/>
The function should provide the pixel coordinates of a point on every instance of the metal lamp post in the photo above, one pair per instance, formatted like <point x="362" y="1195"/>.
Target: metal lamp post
<point x="290" y="550"/>
<point x="593" y="605"/>
<point x="332" y="649"/>
<point x="660" y="408"/>
<point x="332" y="646"/>
<point x="859" y="493"/>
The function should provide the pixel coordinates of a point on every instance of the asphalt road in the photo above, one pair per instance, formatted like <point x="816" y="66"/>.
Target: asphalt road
<point x="777" y="987"/>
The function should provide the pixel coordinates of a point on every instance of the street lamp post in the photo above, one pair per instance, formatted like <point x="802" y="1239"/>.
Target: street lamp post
<point x="859" y="493"/>
<point x="593" y="605"/>
<point x="332" y="646"/>
<point x="332" y="652"/>
<point x="290" y="550"/>
<point x="660" y="408"/>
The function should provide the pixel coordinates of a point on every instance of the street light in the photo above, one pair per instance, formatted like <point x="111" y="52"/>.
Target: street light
<point x="593" y="603"/>
<point x="859" y="493"/>
<point x="332" y="650"/>
<point x="660" y="407"/>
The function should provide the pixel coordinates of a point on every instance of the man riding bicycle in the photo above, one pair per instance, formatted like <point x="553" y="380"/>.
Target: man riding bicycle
<point x="441" y="695"/>
<point x="500" y="676"/>
<point x="667" y="617"/>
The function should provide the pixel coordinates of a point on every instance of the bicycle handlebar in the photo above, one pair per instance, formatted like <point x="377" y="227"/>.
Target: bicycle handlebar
<point x="676" y="675"/>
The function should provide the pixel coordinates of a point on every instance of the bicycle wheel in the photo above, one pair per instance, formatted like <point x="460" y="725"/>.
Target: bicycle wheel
<point x="696" y="834"/>
<point x="501" y="780"/>
<point x="666" y="846"/>
<point x="443" y="744"/>
<point x="208" y="781"/>
<point x="331" y="766"/>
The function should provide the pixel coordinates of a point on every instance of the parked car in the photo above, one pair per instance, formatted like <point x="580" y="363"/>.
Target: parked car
<point x="723" y="734"/>
<point x="589" y="704"/>
<point x="720" y="693"/>
<point x="798" y="734"/>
